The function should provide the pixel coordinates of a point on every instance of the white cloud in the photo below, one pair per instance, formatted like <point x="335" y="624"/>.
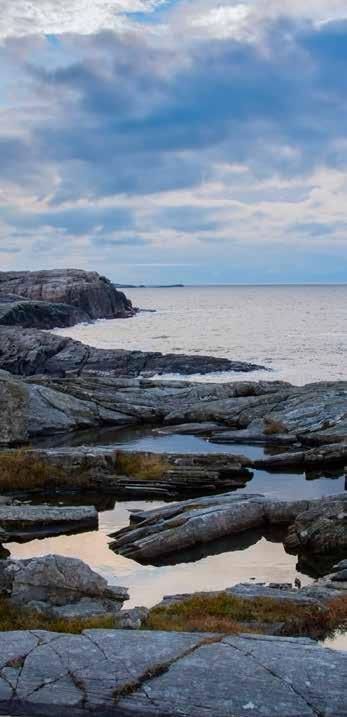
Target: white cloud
<point x="245" y="21"/>
<point x="54" y="17"/>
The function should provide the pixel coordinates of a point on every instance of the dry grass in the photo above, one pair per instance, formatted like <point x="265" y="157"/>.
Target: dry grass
<point x="143" y="466"/>
<point x="231" y="614"/>
<point x="272" y="427"/>
<point x="23" y="470"/>
<point x="13" y="618"/>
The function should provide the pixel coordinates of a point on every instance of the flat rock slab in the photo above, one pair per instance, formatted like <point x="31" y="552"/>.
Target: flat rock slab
<point x="181" y="526"/>
<point x="26" y="521"/>
<point x="164" y="674"/>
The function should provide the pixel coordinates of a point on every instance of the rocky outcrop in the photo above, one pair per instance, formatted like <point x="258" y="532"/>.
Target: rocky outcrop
<point x="101" y="470"/>
<point x="94" y="295"/>
<point x="39" y="314"/>
<point x="28" y="352"/>
<point x="313" y="418"/>
<point x="26" y="522"/>
<point x="31" y="410"/>
<point x="178" y="527"/>
<point x="157" y="674"/>
<point x="61" y="587"/>
<point x="320" y="531"/>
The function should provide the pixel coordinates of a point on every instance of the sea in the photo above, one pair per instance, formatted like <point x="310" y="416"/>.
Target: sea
<point x="299" y="332"/>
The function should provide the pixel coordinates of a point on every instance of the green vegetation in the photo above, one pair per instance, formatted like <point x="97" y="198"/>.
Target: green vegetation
<point x="14" y="618"/>
<point x="143" y="466"/>
<point x="23" y="470"/>
<point x="231" y="614"/>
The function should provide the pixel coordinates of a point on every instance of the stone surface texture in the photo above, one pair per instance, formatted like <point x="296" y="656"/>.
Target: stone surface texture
<point x="314" y="416"/>
<point x="124" y="673"/>
<point x="94" y="295"/>
<point x="181" y="526"/>
<point x="25" y="522"/>
<point x="60" y="586"/>
<point x="31" y="352"/>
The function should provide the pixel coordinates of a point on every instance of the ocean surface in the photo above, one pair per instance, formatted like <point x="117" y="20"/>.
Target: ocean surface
<point x="300" y="332"/>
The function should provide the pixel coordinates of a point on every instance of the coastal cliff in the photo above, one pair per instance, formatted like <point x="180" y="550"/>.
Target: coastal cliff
<point x="89" y="295"/>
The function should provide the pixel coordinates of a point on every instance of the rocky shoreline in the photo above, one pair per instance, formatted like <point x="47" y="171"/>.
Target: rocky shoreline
<point x="30" y="301"/>
<point x="51" y="385"/>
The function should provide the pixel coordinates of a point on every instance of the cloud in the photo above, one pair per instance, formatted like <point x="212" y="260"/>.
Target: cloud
<point x="49" y="17"/>
<point x="190" y="135"/>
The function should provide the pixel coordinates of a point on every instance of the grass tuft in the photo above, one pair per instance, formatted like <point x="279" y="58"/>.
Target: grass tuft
<point x="23" y="470"/>
<point x="143" y="466"/>
<point x="232" y="614"/>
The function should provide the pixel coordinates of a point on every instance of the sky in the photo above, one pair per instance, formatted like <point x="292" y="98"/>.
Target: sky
<point x="165" y="141"/>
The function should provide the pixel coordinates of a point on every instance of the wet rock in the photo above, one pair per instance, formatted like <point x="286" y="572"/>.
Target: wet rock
<point x="175" y="528"/>
<point x="61" y="587"/>
<point x="25" y="522"/>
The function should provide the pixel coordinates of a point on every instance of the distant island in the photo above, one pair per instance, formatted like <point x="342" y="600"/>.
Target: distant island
<point x="148" y="286"/>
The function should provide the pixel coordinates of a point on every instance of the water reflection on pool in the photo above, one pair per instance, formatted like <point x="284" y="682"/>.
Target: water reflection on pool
<point x="252" y="556"/>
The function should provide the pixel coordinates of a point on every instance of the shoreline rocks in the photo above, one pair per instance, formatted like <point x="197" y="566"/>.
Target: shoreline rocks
<point x="39" y="315"/>
<point x="93" y="295"/>
<point x="152" y="535"/>
<point x="313" y="414"/>
<point x="59" y="587"/>
<point x="25" y="522"/>
<point x="100" y="470"/>
<point x="28" y="352"/>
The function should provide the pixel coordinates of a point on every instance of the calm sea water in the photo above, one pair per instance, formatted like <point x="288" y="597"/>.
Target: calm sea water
<point x="298" y="331"/>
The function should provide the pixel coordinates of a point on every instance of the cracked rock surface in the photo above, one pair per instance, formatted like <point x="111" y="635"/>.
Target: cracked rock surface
<point x="120" y="672"/>
<point x="181" y="526"/>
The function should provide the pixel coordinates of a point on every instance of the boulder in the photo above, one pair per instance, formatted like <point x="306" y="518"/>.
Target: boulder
<point x="60" y="587"/>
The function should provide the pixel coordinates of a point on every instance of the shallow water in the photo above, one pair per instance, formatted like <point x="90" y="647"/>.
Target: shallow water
<point x="216" y="566"/>
<point x="298" y="331"/>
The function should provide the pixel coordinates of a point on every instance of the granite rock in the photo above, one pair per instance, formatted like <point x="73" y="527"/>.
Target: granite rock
<point x="154" y="674"/>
